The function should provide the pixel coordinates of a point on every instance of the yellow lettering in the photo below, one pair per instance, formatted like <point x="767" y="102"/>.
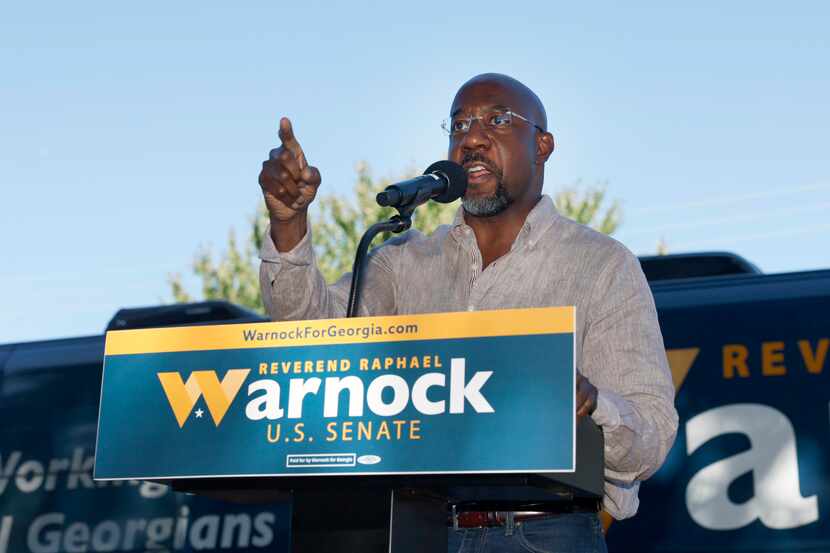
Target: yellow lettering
<point x="346" y="431"/>
<point x="364" y="430"/>
<point x="364" y="364"/>
<point x="814" y="361"/>
<point x="263" y="368"/>
<point x="400" y="362"/>
<point x="298" y="365"/>
<point x="734" y="358"/>
<point x="413" y="363"/>
<point x="331" y="365"/>
<point x="345" y="365"/>
<point x="426" y="361"/>
<point x="375" y="364"/>
<point x="309" y="366"/>
<point x="298" y="430"/>
<point x="276" y="435"/>
<point x="772" y="359"/>
<point x="383" y="430"/>
<point x="387" y="362"/>
<point x="318" y="366"/>
<point x="286" y="366"/>
<point x="398" y="427"/>
<point x="331" y="428"/>
<point x="438" y="364"/>
<point x="415" y="429"/>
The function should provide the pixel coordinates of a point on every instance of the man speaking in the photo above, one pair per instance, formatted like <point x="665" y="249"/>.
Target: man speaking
<point x="507" y="248"/>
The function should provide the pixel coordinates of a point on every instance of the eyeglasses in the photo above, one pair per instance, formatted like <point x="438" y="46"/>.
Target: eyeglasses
<point x="497" y="120"/>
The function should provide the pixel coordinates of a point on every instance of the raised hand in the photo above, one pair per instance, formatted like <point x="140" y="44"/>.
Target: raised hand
<point x="289" y="184"/>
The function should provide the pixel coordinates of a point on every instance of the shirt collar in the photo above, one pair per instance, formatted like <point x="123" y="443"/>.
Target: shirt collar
<point x="540" y="218"/>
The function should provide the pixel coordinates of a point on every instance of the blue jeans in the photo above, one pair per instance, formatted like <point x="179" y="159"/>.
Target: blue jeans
<point x="569" y="533"/>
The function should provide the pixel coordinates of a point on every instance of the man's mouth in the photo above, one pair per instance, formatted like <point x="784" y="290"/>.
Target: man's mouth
<point x="478" y="171"/>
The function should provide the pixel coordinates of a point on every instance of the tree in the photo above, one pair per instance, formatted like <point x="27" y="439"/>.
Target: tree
<point x="336" y="227"/>
<point x="585" y="206"/>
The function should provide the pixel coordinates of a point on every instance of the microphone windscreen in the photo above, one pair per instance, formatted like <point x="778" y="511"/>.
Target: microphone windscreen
<point x="456" y="177"/>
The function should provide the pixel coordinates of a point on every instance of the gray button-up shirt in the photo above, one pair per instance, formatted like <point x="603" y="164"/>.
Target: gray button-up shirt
<point x="553" y="262"/>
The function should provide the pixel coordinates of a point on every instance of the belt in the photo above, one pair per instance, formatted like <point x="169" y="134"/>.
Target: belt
<point x="488" y="519"/>
<point x="460" y="517"/>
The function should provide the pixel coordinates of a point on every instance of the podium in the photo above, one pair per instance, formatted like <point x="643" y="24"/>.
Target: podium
<point x="407" y="514"/>
<point x="370" y="428"/>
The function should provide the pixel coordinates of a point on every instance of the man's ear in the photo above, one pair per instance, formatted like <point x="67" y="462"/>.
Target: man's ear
<point x="544" y="147"/>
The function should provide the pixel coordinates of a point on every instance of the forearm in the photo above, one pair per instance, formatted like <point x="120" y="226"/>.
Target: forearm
<point x="286" y="235"/>
<point x="638" y="431"/>
<point x="292" y="286"/>
<point x="624" y="357"/>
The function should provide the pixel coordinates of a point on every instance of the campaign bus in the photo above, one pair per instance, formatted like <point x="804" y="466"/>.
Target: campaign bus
<point x="749" y="471"/>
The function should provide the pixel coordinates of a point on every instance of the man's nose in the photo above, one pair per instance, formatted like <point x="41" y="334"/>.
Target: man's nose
<point x="476" y="138"/>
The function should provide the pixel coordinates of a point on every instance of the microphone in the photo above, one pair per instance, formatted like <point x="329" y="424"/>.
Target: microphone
<point x="443" y="181"/>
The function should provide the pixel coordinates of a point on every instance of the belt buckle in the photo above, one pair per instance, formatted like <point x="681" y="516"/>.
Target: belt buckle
<point x="506" y="519"/>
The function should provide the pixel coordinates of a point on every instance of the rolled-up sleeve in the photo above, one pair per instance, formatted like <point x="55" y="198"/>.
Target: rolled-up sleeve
<point x="293" y="288"/>
<point x="624" y="357"/>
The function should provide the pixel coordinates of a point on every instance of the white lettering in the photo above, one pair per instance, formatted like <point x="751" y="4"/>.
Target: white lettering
<point x="29" y="476"/>
<point x="76" y="538"/>
<point x="5" y="532"/>
<point x="374" y="396"/>
<point x="334" y="385"/>
<point x="419" y="394"/>
<point x="263" y="532"/>
<point x="152" y="490"/>
<point x="205" y="530"/>
<point x="81" y="470"/>
<point x="266" y="406"/>
<point x="40" y="541"/>
<point x="772" y="460"/>
<point x="471" y="391"/>
<point x="55" y="467"/>
<point x="232" y="522"/>
<point x="8" y="468"/>
<point x="297" y="391"/>
<point x="106" y="536"/>
<point x="159" y="531"/>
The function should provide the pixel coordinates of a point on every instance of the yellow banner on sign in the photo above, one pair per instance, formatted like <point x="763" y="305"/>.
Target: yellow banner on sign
<point x="505" y="322"/>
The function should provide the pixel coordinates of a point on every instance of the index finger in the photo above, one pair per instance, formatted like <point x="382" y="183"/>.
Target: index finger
<point x="288" y="140"/>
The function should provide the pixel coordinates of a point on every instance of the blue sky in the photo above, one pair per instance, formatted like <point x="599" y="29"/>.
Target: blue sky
<point x="133" y="133"/>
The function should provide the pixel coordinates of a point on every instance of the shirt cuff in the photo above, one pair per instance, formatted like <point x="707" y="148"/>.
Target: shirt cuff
<point x="608" y="413"/>
<point x="301" y="254"/>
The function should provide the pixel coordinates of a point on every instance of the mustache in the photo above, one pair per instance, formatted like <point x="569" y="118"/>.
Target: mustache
<point x="477" y="157"/>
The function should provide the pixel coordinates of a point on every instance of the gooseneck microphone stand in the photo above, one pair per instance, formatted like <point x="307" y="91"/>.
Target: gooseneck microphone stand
<point x="443" y="181"/>
<point x="396" y="224"/>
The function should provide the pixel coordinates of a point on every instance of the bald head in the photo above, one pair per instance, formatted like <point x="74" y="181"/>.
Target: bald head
<point x="504" y="162"/>
<point x="526" y="101"/>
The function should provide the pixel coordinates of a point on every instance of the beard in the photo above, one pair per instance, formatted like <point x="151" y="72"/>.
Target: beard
<point x="489" y="206"/>
<point x="492" y="205"/>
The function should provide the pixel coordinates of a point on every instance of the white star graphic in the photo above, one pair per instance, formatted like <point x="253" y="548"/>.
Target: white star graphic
<point x="199" y="413"/>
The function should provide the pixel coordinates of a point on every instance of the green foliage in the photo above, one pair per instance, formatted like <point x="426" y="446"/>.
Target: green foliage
<point x="337" y="225"/>
<point x="586" y="206"/>
<point x="234" y="276"/>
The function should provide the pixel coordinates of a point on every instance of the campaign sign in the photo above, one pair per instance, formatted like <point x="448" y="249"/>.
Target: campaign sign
<point x="479" y="392"/>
